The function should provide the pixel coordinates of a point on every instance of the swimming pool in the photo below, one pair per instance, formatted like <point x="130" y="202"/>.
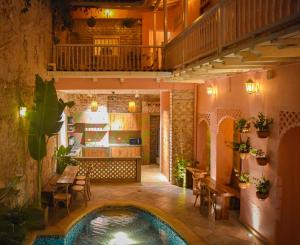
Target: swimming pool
<point x="116" y="226"/>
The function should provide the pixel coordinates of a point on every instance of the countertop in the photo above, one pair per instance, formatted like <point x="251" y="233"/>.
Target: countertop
<point x="110" y="145"/>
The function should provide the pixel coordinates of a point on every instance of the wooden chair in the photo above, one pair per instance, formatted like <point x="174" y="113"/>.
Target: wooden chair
<point x="212" y="203"/>
<point x="62" y="195"/>
<point x="84" y="180"/>
<point x="81" y="190"/>
<point x="196" y="187"/>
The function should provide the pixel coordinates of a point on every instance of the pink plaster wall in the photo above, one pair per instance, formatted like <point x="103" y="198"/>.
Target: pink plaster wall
<point x="280" y="93"/>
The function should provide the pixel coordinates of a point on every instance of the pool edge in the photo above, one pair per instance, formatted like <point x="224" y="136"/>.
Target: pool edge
<point x="63" y="226"/>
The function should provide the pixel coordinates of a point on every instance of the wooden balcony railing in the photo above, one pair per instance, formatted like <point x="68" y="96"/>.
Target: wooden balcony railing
<point x="89" y="57"/>
<point x="227" y="23"/>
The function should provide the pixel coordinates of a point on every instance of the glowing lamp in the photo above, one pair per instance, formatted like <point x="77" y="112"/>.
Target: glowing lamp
<point x="94" y="106"/>
<point x="211" y="91"/>
<point x="107" y="13"/>
<point x="251" y="87"/>
<point x="22" y="111"/>
<point x="131" y="106"/>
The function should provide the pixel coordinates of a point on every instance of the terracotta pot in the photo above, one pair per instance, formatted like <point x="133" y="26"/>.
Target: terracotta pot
<point x="244" y="185"/>
<point x="262" y="196"/>
<point x="262" y="161"/>
<point x="262" y="134"/>
<point x="244" y="155"/>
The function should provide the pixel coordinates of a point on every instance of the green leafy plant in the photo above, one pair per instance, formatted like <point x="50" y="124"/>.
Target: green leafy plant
<point x="10" y="188"/>
<point x="258" y="153"/>
<point x="242" y="147"/>
<point x="242" y="125"/>
<point x="244" y="177"/>
<point x="45" y="122"/>
<point x="262" y="185"/>
<point x="62" y="159"/>
<point x="180" y="168"/>
<point x="262" y="123"/>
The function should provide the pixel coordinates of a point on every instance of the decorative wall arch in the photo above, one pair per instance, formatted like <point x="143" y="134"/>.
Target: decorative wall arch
<point x="223" y="114"/>
<point x="204" y="117"/>
<point x="287" y="121"/>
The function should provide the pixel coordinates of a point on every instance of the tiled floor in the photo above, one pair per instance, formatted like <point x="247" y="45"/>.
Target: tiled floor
<point x="178" y="202"/>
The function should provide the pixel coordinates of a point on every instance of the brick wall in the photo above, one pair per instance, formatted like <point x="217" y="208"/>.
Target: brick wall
<point x="25" y="46"/>
<point x="82" y="33"/>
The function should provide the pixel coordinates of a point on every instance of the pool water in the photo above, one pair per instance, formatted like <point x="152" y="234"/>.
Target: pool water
<point x="117" y="226"/>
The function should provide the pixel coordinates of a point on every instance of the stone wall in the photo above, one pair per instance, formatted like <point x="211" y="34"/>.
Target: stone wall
<point x="25" y="46"/>
<point x="182" y="129"/>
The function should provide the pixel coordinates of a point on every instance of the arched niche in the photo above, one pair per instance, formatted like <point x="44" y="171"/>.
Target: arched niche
<point x="203" y="145"/>
<point x="225" y="154"/>
<point x="289" y="173"/>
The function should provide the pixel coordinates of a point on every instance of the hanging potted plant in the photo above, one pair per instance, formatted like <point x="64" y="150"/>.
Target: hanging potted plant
<point x="261" y="157"/>
<point x="242" y="147"/>
<point x="180" y="171"/>
<point x="262" y="124"/>
<point x="244" y="180"/>
<point x="263" y="186"/>
<point x="91" y="22"/>
<point x="242" y="125"/>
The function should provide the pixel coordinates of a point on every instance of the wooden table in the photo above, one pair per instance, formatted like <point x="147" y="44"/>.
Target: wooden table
<point x="68" y="176"/>
<point x="223" y="195"/>
<point x="190" y="171"/>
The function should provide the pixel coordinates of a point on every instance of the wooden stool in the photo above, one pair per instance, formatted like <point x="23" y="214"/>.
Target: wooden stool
<point x="84" y="183"/>
<point x="80" y="177"/>
<point x="80" y="189"/>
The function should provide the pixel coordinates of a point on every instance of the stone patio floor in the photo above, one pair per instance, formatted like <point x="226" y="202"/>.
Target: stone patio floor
<point x="175" y="201"/>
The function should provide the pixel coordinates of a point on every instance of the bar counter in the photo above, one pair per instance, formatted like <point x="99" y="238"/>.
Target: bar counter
<point x="110" y="169"/>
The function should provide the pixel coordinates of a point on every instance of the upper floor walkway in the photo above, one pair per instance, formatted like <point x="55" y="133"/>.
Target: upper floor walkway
<point x="228" y="27"/>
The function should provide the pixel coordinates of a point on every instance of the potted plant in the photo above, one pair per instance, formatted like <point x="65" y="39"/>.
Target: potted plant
<point x="244" y="180"/>
<point x="244" y="148"/>
<point x="91" y="22"/>
<point x="242" y="125"/>
<point x="180" y="171"/>
<point x="263" y="186"/>
<point x="262" y="124"/>
<point x="45" y="121"/>
<point x="261" y="157"/>
<point x="63" y="160"/>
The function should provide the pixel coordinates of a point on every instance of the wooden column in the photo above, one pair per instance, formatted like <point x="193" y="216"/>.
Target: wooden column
<point x="154" y="28"/>
<point x="165" y="22"/>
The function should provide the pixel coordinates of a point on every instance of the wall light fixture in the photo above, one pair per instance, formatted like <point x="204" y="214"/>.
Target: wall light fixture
<point x="251" y="86"/>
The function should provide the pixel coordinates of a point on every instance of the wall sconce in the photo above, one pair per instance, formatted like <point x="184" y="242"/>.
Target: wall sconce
<point x="23" y="111"/>
<point x="107" y="13"/>
<point x="211" y="90"/>
<point x="251" y="87"/>
<point x="131" y="106"/>
<point x="94" y="106"/>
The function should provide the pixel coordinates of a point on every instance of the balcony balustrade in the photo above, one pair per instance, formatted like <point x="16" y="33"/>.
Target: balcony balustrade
<point x="228" y="23"/>
<point x="91" y="57"/>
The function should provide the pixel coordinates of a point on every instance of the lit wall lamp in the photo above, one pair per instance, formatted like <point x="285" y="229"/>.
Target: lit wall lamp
<point x="22" y="111"/>
<point x="211" y="90"/>
<point x="107" y="13"/>
<point x="131" y="106"/>
<point x="94" y="106"/>
<point x="251" y="87"/>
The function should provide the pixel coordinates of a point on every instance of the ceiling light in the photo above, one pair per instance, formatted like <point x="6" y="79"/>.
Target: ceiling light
<point x="94" y="106"/>
<point x="131" y="106"/>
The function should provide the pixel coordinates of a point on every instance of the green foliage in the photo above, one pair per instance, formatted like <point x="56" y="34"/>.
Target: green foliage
<point x="45" y="122"/>
<point x="258" y="152"/>
<point x="262" y="185"/>
<point x="242" y="147"/>
<point x="262" y="123"/>
<point x="180" y="166"/>
<point x="242" y="125"/>
<point x="244" y="177"/>
<point x="62" y="159"/>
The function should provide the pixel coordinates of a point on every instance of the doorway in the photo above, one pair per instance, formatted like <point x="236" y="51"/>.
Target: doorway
<point x="289" y="172"/>
<point x="224" y="152"/>
<point x="154" y="138"/>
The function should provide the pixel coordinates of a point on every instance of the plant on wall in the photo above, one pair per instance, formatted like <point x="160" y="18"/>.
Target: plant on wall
<point x="242" y="125"/>
<point x="262" y="125"/>
<point x="244" y="180"/>
<point x="261" y="157"/>
<point x="45" y="122"/>
<point x="263" y="186"/>
<point x="91" y="22"/>
<point x="242" y="147"/>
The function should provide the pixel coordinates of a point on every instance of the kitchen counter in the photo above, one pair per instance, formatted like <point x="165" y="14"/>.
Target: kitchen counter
<point x="110" y="145"/>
